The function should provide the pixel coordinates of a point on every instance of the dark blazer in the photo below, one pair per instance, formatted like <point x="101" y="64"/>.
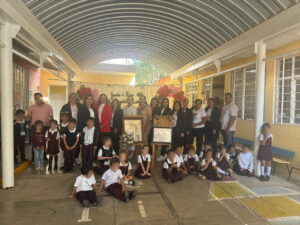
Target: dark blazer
<point x="117" y="121"/>
<point x="185" y="120"/>
<point x="82" y="115"/>
<point x="167" y="112"/>
<point x="214" y="122"/>
<point x="96" y="118"/>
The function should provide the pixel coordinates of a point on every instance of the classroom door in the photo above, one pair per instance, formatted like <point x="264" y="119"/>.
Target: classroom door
<point x="218" y="89"/>
<point x="57" y="98"/>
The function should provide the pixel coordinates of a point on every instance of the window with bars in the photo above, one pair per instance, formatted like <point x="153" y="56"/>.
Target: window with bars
<point x="20" y="87"/>
<point x="191" y="91"/>
<point x="244" y="91"/>
<point x="288" y="91"/>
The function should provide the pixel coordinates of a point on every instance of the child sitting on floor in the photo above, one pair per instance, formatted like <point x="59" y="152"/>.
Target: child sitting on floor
<point x="180" y="160"/>
<point x="209" y="170"/>
<point x="265" y="151"/>
<point x="113" y="182"/>
<point x="125" y="167"/>
<point x="85" y="188"/>
<point x="223" y="161"/>
<point x="144" y="161"/>
<point x="105" y="154"/>
<point x="191" y="160"/>
<point x="171" y="168"/>
<point x="207" y="147"/>
<point x="244" y="166"/>
<point x="233" y="154"/>
<point x="53" y="142"/>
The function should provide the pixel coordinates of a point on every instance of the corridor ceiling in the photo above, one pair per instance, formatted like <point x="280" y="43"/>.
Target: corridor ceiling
<point x="166" y="33"/>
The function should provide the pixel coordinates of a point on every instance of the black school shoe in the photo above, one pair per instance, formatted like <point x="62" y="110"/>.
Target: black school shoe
<point x="267" y="178"/>
<point x="262" y="178"/>
<point x="55" y="167"/>
<point x="85" y="203"/>
<point x="98" y="200"/>
<point x="132" y="194"/>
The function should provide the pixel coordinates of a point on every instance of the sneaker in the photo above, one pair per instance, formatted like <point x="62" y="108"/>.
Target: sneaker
<point x="267" y="178"/>
<point x="262" y="178"/>
<point x="131" y="182"/>
<point x="86" y="203"/>
<point x="132" y="194"/>
<point x="126" y="196"/>
<point x="161" y="158"/>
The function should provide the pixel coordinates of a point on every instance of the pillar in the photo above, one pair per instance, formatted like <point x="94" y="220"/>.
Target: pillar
<point x="7" y="32"/>
<point x="69" y="83"/>
<point x="260" y="50"/>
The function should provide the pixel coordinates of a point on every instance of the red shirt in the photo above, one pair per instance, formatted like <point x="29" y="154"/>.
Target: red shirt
<point x="38" y="140"/>
<point x="106" y="117"/>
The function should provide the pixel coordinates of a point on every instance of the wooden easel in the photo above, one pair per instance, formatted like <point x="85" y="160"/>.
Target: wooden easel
<point x="154" y="151"/>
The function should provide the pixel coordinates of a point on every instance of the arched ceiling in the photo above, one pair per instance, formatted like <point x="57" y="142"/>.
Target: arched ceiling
<point x="167" y="33"/>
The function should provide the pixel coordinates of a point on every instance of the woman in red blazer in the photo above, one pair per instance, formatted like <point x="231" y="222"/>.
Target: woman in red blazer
<point x="104" y="112"/>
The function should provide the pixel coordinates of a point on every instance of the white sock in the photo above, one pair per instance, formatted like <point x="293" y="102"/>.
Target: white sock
<point x="268" y="170"/>
<point x="262" y="170"/>
<point x="220" y="171"/>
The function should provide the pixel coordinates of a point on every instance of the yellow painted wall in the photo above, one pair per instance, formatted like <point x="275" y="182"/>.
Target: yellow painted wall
<point x="48" y="79"/>
<point x="285" y="136"/>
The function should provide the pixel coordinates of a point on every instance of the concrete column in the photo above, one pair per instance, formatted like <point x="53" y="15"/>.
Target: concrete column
<point x="69" y="82"/>
<point x="7" y="32"/>
<point x="260" y="50"/>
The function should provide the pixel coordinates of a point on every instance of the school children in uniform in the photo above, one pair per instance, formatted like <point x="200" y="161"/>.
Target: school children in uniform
<point x="38" y="145"/>
<point x="171" y="168"/>
<point x="265" y="152"/>
<point x="209" y="170"/>
<point x="85" y="188"/>
<point x="53" y="141"/>
<point x="89" y="143"/>
<point x="207" y="147"/>
<point x="20" y="128"/>
<point x="191" y="160"/>
<point x="144" y="160"/>
<point x="64" y="118"/>
<point x="125" y="167"/>
<point x="71" y="141"/>
<point x="233" y="155"/>
<point x="105" y="154"/>
<point x="113" y="182"/>
<point x="244" y="167"/>
<point x="179" y="159"/>
<point x="223" y="161"/>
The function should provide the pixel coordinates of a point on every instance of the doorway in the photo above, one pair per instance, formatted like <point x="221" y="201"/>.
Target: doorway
<point x="57" y="98"/>
<point x="218" y="86"/>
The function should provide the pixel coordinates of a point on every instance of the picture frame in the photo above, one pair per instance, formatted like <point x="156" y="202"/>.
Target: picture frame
<point x="162" y="135"/>
<point x="162" y="122"/>
<point x="133" y="126"/>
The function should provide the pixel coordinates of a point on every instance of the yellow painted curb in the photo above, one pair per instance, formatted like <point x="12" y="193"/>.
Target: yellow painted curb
<point x="19" y="169"/>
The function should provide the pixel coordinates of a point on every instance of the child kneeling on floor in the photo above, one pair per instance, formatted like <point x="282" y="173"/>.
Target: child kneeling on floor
<point x="171" y="168"/>
<point x="113" y="182"/>
<point x="125" y="167"/>
<point x="85" y="188"/>
<point x="244" y="166"/>
<point x="144" y="160"/>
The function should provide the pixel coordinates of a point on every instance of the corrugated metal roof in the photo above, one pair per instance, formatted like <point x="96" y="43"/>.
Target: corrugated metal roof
<point x="167" y="33"/>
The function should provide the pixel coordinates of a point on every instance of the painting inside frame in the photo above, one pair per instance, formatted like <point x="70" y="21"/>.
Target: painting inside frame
<point x="133" y="127"/>
<point x="162" y="135"/>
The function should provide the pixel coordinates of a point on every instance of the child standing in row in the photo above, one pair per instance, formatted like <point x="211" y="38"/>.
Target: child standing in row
<point x="265" y="151"/>
<point x="89" y="143"/>
<point x="71" y="140"/>
<point x="105" y="154"/>
<point x="244" y="167"/>
<point x="191" y="161"/>
<point x="38" y="145"/>
<point x="53" y="142"/>
<point x="85" y="188"/>
<point x="144" y="161"/>
<point x="20" y="127"/>
<point x="125" y="167"/>
<point x="63" y="126"/>
<point x="171" y="168"/>
<point x="113" y="182"/>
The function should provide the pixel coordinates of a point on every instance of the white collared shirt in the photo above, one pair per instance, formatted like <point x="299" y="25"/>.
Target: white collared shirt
<point x="204" y="161"/>
<point x="88" y="135"/>
<point x="227" y="156"/>
<point x="130" y="110"/>
<point x="126" y="164"/>
<point x="92" y="112"/>
<point x="52" y="132"/>
<point x="100" y="152"/>
<point x="100" y="110"/>
<point x="83" y="183"/>
<point x="227" y="112"/>
<point x="144" y="158"/>
<point x="262" y="137"/>
<point x="166" y="164"/>
<point x="74" y="111"/>
<point x="246" y="161"/>
<point x="187" y="156"/>
<point x="179" y="158"/>
<point x="111" y="177"/>
<point x="198" y="116"/>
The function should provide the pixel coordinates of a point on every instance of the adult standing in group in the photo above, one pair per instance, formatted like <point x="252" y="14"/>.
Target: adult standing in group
<point x="212" y="125"/>
<point x="42" y="111"/>
<point x="199" y="120"/>
<point x="145" y="111"/>
<point x="228" y="120"/>
<point x="177" y="139"/>
<point x="89" y="102"/>
<point x="104" y="112"/>
<point x="130" y="109"/>
<point x="116" y="124"/>
<point x="154" y="108"/>
<point x="185" y="121"/>
<point x="77" y="111"/>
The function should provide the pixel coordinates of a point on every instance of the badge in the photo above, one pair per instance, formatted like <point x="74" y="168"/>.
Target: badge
<point x="22" y="133"/>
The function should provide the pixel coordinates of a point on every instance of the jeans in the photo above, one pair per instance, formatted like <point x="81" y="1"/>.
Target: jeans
<point x="228" y="138"/>
<point x="198" y="133"/>
<point x="38" y="158"/>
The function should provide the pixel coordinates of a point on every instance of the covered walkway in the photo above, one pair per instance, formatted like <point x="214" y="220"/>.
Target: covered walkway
<point x="250" y="48"/>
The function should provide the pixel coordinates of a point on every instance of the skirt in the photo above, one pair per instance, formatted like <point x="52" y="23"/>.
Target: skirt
<point x="53" y="148"/>
<point x="174" y="175"/>
<point x="210" y="173"/>
<point x="138" y="172"/>
<point x="115" y="190"/>
<point x="224" y="165"/>
<point x="265" y="153"/>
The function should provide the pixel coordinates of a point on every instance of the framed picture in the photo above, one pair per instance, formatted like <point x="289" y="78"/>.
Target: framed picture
<point x="133" y="127"/>
<point x="162" y="135"/>
<point x="163" y="121"/>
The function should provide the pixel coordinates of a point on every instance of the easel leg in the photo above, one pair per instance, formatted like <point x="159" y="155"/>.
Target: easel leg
<point x="153" y="155"/>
